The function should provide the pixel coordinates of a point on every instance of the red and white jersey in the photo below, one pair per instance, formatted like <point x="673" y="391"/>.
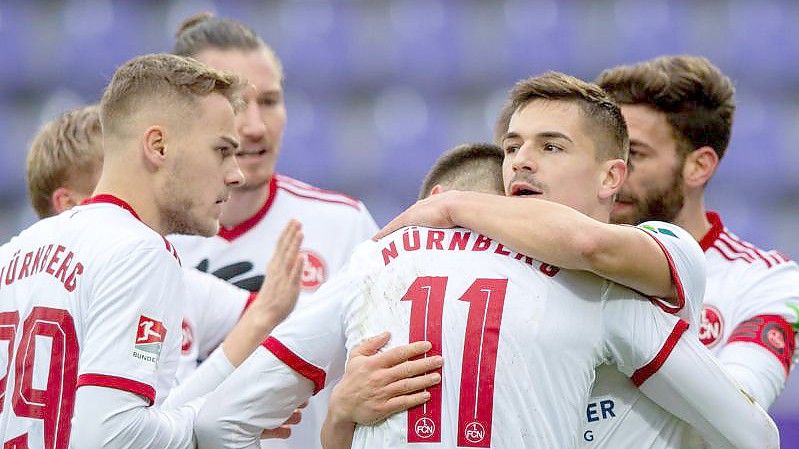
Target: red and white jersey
<point x="332" y="225"/>
<point x="213" y="307"/>
<point x="91" y="297"/>
<point x="618" y="415"/>
<point x="521" y="339"/>
<point x="751" y="311"/>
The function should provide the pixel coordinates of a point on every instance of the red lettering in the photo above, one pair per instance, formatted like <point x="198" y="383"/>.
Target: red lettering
<point x="62" y="270"/>
<point x="501" y="250"/>
<point x="482" y="243"/>
<point x="46" y="256"/>
<point x="71" y="281"/>
<point x="459" y="240"/>
<point x="390" y="253"/>
<point x="25" y="271"/>
<point x="55" y="259"/>
<point x="37" y="259"/>
<point x="406" y="240"/>
<point x="434" y="238"/>
<point x="549" y="270"/>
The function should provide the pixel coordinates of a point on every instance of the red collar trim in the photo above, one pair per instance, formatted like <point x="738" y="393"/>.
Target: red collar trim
<point x="111" y="199"/>
<point x="716" y="226"/>
<point x="236" y="231"/>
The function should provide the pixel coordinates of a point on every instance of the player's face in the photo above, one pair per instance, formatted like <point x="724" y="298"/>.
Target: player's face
<point x="550" y="155"/>
<point x="260" y="126"/>
<point x="653" y="189"/>
<point x="203" y="170"/>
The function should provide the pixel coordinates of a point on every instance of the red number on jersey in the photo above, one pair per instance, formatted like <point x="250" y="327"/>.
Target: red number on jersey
<point x="55" y="403"/>
<point x="486" y="298"/>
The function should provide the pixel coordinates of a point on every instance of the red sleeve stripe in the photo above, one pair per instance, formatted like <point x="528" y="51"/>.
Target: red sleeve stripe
<point x="642" y="374"/>
<point x="771" y="332"/>
<point x="675" y="278"/>
<point x="118" y="383"/>
<point x="295" y="362"/>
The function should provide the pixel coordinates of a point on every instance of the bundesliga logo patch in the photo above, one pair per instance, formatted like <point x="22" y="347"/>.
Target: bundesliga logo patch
<point x="150" y="335"/>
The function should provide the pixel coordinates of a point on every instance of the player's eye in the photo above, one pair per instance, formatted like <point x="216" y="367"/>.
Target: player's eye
<point x="268" y="101"/>
<point x="552" y="148"/>
<point x="511" y="148"/>
<point x="225" y="151"/>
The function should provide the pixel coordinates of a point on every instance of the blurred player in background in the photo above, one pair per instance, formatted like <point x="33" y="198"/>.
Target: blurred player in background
<point x="523" y="386"/>
<point x="258" y="208"/>
<point x="679" y="111"/>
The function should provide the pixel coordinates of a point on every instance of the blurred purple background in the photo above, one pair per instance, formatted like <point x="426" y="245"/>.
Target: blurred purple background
<point x="376" y="90"/>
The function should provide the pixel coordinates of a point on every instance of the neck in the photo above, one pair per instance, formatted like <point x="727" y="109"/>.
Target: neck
<point x="136" y="194"/>
<point x="243" y="204"/>
<point x="692" y="216"/>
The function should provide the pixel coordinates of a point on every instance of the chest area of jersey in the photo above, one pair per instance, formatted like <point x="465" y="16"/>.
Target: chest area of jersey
<point x="244" y="260"/>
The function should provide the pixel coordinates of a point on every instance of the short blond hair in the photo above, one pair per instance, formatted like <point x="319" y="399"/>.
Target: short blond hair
<point x="64" y="151"/>
<point x="471" y="166"/>
<point x="162" y="79"/>
<point x="598" y="109"/>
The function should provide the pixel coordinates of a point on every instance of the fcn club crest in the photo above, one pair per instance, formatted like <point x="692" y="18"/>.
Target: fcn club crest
<point x="712" y="327"/>
<point x="314" y="271"/>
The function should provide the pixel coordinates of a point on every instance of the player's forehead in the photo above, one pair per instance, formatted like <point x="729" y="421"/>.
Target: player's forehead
<point x="542" y="117"/>
<point x="254" y="66"/>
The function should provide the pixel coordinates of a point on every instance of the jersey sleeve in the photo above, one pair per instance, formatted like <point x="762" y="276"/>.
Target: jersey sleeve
<point x="218" y="306"/>
<point x="312" y="340"/>
<point x="638" y="337"/>
<point x="761" y="350"/>
<point x="132" y="321"/>
<point x="687" y="267"/>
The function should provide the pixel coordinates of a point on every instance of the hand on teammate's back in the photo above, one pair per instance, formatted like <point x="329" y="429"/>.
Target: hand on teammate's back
<point x="377" y="385"/>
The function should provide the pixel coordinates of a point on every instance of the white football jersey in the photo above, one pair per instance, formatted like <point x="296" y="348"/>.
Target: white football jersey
<point x="618" y="415"/>
<point x="332" y="225"/>
<point x="90" y="297"/>
<point x="213" y="307"/>
<point x="520" y="339"/>
<point x="751" y="311"/>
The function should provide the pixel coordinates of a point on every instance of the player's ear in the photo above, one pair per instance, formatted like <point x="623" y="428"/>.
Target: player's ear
<point x="62" y="199"/>
<point x="699" y="166"/>
<point x="612" y="177"/>
<point x="437" y="189"/>
<point x="154" y="145"/>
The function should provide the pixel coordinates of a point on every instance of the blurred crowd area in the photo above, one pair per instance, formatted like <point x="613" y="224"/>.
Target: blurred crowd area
<point x="376" y="90"/>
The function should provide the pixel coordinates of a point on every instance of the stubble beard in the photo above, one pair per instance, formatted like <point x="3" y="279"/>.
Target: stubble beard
<point x="658" y="204"/>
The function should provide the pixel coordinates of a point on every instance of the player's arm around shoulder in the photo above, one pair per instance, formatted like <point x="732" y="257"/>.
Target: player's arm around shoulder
<point x="555" y="234"/>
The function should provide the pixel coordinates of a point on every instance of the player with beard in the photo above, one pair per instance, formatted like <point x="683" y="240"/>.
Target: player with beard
<point x="257" y="209"/>
<point x="679" y="111"/>
<point x="522" y="338"/>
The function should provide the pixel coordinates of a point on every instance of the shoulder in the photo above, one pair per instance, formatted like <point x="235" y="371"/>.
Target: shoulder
<point x="735" y="251"/>
<point x="305" y="192"/>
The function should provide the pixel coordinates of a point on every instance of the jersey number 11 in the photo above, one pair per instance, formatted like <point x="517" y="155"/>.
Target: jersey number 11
<point x="486" y="298"/>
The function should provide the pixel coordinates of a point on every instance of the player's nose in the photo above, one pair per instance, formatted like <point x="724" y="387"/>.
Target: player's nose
<point x="251" y="124"/>
<point x="523" y="160"/>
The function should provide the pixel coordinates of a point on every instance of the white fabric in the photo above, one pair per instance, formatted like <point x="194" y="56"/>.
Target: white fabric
<point x="554" y="331"/>
<point x="123" y="313"/>
<point x="618" y="414"/>
<point x="332" y="225"/>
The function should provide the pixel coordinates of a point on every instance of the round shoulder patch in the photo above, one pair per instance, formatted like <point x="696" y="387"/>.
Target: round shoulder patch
<point x="314" y="270"/>
<point x="712" y="327"/>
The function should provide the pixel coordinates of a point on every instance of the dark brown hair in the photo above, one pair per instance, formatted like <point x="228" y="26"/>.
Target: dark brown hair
<point x="598" y="109"/>
<point x="473" y="166"/>
<point x="697" y="99"/>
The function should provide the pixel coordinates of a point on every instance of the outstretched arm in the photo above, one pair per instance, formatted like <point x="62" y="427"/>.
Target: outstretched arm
<point x="692" y="385"/>
<point x="552" y="233"/>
